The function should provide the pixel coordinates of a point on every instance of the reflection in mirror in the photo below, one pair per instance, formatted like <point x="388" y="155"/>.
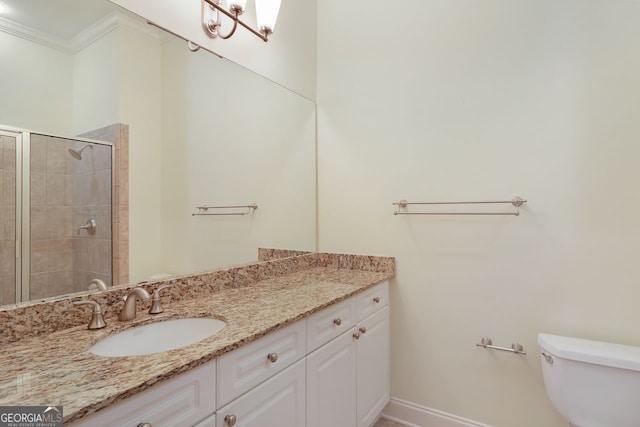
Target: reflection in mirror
<point x="8" y="281"/>
<point x="70" y="216"/>
<point x="201" y="130"/>
<point x="57" y="215"/>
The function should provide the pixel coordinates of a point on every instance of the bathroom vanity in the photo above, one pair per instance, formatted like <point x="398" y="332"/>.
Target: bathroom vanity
<point x="303" y="348"/>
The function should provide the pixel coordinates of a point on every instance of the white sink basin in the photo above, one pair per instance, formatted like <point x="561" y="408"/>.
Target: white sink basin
<point x="157" y="337"/>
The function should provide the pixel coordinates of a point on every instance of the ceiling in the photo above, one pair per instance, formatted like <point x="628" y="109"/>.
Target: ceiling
<point x="53" y="18"/>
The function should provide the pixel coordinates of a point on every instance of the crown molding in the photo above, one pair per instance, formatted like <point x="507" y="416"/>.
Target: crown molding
<point x="32" y="35"/>
<point x="84" y="38"/>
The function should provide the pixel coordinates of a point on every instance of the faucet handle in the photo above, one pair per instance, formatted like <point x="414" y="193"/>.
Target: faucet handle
<point x="156" y="305"/>
<point x="97" y="321"/>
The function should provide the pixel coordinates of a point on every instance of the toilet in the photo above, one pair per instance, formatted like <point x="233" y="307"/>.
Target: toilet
<point x="592" y="383"/>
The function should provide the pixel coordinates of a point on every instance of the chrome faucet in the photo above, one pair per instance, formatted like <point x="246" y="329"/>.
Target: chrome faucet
<point x="97" y="284"/>
<point x="129" y="310"/>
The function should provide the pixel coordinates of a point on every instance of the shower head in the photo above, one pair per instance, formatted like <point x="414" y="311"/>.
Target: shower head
<point x="77" y="154"/>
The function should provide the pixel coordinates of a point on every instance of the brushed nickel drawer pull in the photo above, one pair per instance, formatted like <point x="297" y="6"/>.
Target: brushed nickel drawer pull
<point x="230" y="420"/>
<point x="376" y="300"/>
<point x="363" y="329"/>
<point x="273" y="357"/>
<point x="337" y="321"/>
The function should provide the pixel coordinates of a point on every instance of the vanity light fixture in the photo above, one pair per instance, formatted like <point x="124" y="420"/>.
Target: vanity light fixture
<point x="266" y="16"/>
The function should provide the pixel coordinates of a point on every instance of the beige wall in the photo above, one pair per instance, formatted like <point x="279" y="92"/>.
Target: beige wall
<point x="140" y="106"/>
<point x="39" y="96"/>
<point x="231" y="137"/>
<point x="467" y="100"/>
<point x="95" y="84"/>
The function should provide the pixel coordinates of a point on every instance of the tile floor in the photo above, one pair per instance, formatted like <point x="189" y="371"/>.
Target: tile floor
<point x="386" y="423"/>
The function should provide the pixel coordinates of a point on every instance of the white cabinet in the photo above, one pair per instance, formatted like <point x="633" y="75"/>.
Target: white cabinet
<point x="348" y="378"/>
<point x="278" y="402"/>
<point x="242" y="369"/>
<point x="342" y="382"/>
<point x="327" y="324"/>
<point x="373" y="367"/>
<point x="184" y="400"/>
<point x="331" y="383"/>
<point x="372" y="300"/>
<point x="208" y="422"/>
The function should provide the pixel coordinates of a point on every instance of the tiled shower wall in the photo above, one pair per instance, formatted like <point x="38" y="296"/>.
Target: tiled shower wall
<point x="118" y="135"/>
<point x="66" y="193"/>
<point x="91" y="184"/>
<point x="7" y="219"/>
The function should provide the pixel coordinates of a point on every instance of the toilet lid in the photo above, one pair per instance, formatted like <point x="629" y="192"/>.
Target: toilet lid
<point x="597" y="352"/>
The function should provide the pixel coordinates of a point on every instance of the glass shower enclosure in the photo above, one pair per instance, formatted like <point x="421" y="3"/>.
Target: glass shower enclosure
<point x="55" y="214"/>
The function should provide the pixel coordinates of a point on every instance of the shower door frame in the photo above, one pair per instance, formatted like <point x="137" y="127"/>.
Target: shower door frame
<point x="23" y="206"/>
<point x="19" y="136"/>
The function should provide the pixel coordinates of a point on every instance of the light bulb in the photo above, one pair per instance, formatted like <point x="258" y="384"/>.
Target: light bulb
<point x="267" y="14"/>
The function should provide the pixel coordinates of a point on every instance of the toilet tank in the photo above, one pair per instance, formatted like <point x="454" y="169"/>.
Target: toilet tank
<point x="592" y="383"/>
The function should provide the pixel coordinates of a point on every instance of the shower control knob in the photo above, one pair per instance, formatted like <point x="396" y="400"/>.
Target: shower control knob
<point x="90" y="226"/>
<point x="230" y="420"/>
<point x="337" y="321"/>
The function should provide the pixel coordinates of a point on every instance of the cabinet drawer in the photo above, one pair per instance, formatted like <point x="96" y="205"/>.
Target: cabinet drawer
<point x="372" y="300"/>
<point x="248" y="366"/>
<point x="278" y="402"/>
<point x="180" y="401"/>
<point x="327" y="324"/>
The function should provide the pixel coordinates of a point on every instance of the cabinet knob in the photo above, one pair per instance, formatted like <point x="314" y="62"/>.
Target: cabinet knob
<point x="376" y="300"/>
<point x="356" y="335"/>
<point x="273" y="357"/>
<point x="230" y="420"/>
<point x="363" y="329"/>
<point x="337" y="321"/>
<point x="144" y="425"/>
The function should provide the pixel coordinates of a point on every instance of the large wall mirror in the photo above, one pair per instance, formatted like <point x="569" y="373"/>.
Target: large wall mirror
<point x="184" y="129"/>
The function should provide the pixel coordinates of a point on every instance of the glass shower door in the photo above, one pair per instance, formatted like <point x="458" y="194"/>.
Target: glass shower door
<point x="70" y="215"/>
<point x="55" y="215"/>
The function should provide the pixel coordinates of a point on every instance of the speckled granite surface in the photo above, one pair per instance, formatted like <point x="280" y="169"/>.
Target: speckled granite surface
<point x="269" y="254"/>
<point x="55" y="368"/>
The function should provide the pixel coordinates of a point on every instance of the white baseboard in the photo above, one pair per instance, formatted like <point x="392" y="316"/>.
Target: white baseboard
<point x="414" y="415"/>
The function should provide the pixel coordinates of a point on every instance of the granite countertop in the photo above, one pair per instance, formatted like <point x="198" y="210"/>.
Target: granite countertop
<point x="57" y="368"/>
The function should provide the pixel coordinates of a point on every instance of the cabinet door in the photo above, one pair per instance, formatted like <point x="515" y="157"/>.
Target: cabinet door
<point x="208" y="422"/>
<point x="373" y="367"/>
<point x="278" y="402"/>
<point x="180" y="401"/>
<point x="331" y="383"/>
<point x="246" y="367"/>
